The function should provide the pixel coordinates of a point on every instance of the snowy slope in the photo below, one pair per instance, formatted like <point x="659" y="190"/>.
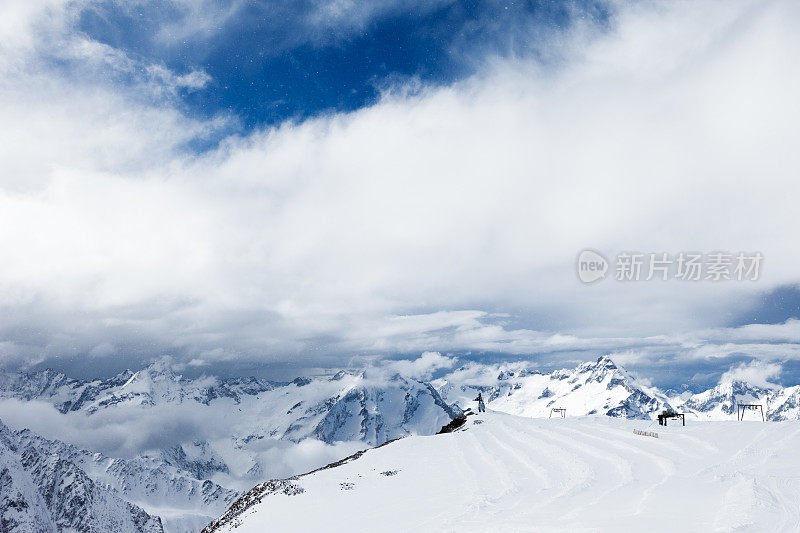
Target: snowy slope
<point x="253" y="424"/>
<point x="507" y="473"/>
<point x="42" y="491"/>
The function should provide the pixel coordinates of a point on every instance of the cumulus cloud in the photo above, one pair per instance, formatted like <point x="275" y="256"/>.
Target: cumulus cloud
<point x="421" y="368"/>
<point x="443" y="219"/>
<point x="758" y="373"/>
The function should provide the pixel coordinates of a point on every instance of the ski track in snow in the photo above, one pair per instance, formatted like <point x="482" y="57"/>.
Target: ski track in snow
<point x="511" y="473"/>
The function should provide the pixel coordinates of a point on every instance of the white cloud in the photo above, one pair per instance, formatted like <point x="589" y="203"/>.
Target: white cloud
<point x="397" y="228"/>
<point x="123" y="433"/>
<point x="786" y="332"/>
<point x="23" y="22"/>
<point x="422" y="367"/>
<point x="128" y="432"/>
<point x="756" y="373"/>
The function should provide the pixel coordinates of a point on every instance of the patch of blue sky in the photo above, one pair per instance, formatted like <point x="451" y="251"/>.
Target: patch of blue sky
<point x="773" y="307"/>
<point x="273" y="61"/>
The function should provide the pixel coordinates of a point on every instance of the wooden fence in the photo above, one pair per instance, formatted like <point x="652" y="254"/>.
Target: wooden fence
<point x="645" y="433"/>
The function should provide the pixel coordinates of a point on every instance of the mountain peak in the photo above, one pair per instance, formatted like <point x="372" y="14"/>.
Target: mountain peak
<point x="607" y="362"/>
<point x="604" y="363"/>
<point x="737" y="387"/>
<point x="161" y="368"/>
<point x="301" y="381"/>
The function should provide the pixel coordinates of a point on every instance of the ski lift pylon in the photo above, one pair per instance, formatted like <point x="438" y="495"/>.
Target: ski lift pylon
<point x="743" y="407"/>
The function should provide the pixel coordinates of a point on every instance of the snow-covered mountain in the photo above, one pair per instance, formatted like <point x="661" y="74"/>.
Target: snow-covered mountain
<point x="720" y="402"/>
<point x="594" y="388"/>
<point x="199" y="443"/>
<point x="43" y="490"/>
<point x="500" y="472"/>
<point x="363" y="406"/>
<point x="603" y="387"/>
<point x="154" y="385"/>
<point x="188" y="481"/>
<point x="182" y="501"/>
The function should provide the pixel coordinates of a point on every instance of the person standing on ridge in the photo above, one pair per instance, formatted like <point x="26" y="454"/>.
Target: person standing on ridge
<point x="481" y="406"/>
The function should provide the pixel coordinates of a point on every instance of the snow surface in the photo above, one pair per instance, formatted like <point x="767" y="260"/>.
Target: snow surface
<point x="511" y="473"/>
<point x="184" y="449"/>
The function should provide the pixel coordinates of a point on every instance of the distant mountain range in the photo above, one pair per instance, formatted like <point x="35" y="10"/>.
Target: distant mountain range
<point x="187" y="483"/>
<point x="604" y="388"/>
<point x="181" y="483"/>
<point x="347" y="406"/>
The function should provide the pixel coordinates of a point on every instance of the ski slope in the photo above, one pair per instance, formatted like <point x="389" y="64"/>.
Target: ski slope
<point x="509" y="473"/>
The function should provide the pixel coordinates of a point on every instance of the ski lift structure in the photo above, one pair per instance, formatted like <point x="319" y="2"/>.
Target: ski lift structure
<point x="666" y="415"/>
<point x="742" y="408"/>
<point x="559" y="411"/>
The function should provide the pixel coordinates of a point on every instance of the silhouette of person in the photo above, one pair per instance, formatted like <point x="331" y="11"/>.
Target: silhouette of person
<point x="481" y="406"/>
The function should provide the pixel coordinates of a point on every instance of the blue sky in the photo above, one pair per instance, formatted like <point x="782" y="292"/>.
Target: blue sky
<point x="269" y="62"/>
<point x="774" y="307"/>
<point x="282" y="187"/>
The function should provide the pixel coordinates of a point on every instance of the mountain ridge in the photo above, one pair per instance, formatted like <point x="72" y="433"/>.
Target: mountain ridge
<point x="44" y="491"/>
<point x="246" y="425"/>
<point x="246" y="421"/>
<point x="603" y="387"/>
